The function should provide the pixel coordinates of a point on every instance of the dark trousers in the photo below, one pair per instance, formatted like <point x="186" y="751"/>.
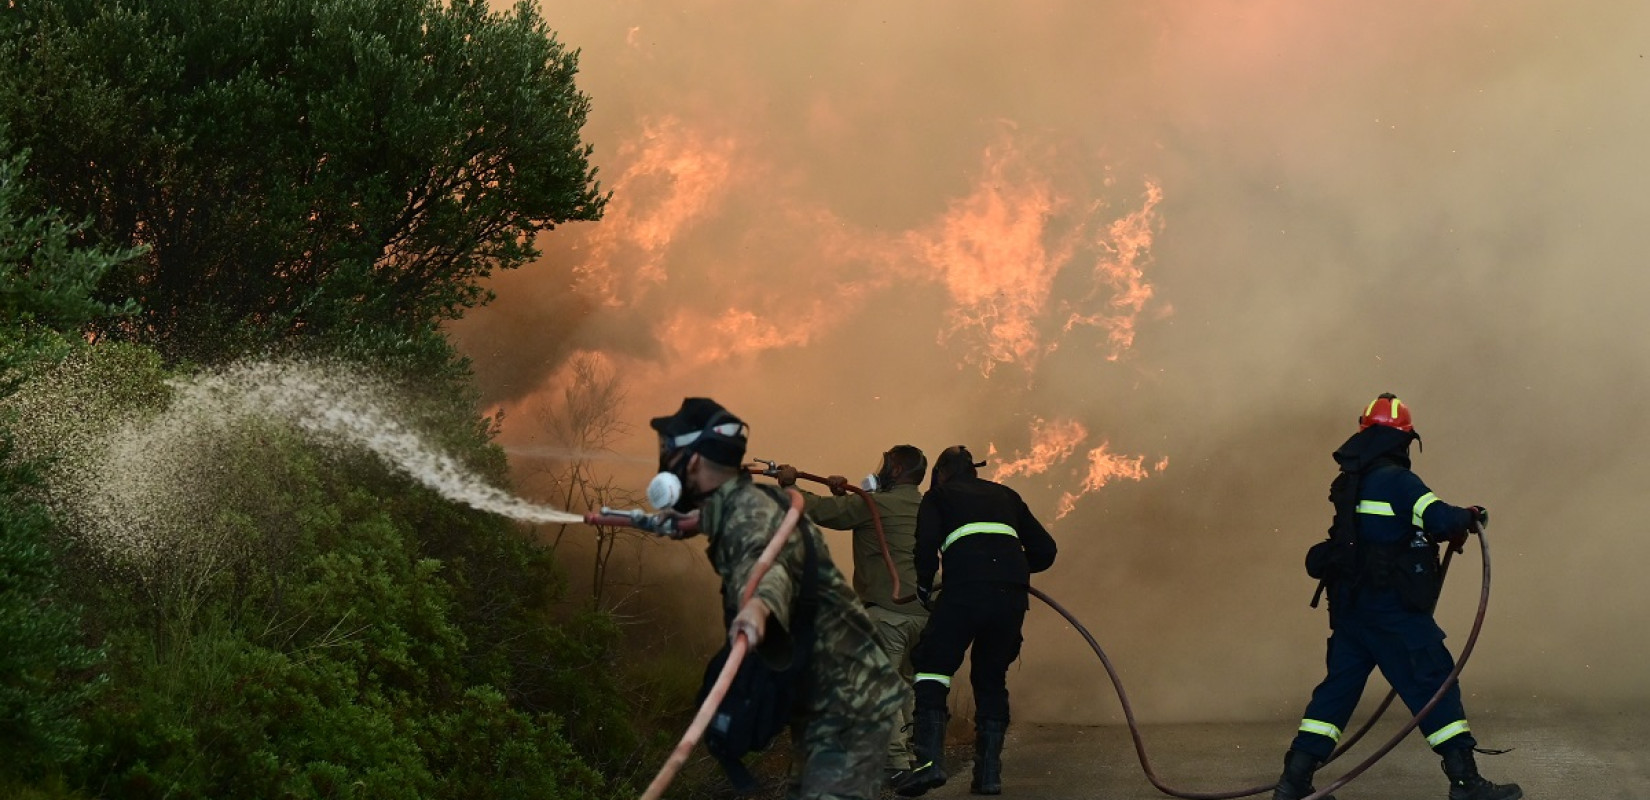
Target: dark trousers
<point x="1409" y="650"/>
<point x="986" y="616"/>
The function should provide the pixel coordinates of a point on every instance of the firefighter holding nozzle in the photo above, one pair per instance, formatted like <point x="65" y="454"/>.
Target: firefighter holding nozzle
<point x="985" y="543"/>
<point x="1380" y="567"/>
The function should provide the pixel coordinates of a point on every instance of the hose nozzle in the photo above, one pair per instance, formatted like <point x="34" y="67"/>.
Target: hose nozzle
<point x="671" y="526"/>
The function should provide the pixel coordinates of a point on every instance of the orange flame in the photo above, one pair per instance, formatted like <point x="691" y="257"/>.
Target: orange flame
<point x="1104" y="467"/>
<point x="675" y="174"/>
<point x="1127" y="244"/>
<point x="1051" y="443"/>
<point x="992" y="253"/>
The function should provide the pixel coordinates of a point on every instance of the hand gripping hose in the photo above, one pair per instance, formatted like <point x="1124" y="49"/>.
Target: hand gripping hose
<point x="1140" y="744"/>
<point x="771" y="469"/>
<point x="736" y="654"/>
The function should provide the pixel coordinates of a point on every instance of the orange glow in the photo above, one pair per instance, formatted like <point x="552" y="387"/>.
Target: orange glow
<point x="673" y="177"/>
<point x="1051" y="444"/>
<point x="695" y="337"/>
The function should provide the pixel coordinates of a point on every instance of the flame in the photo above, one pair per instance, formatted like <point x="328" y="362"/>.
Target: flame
<point x="999" y="250"/>
<point x="1127" y="245"/>
<point x="992" y="252"/>
<point x="1104" y="467"/>
<point x="674" y="176"/>
<point x="1051" y="443"/>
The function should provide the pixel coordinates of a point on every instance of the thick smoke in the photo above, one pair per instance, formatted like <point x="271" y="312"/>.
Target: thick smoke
<point x="861" y="224"/>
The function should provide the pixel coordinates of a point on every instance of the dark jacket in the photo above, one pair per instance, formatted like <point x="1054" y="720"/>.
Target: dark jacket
<point x="980" y="531"/>
<point x="1395" y="509"/>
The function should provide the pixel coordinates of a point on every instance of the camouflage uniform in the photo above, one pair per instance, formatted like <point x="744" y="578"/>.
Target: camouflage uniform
<point x="854" y="694"/>
<point x="898" y="624"/>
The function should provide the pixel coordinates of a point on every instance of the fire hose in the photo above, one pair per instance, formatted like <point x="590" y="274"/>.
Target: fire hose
<point x="1449" y="681"/>
<point x="736" y="652"/>
<point x="676" y="527"/>
<point x="771" y="470"/>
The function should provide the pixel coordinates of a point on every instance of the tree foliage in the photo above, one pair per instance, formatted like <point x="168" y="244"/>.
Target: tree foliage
<point x="294" y="166"/>
<point x="355" y="635"/>
<point x="209" y="180"/>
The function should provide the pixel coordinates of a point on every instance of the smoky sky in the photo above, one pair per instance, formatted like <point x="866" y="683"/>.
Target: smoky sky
<point x="1204" y="233"/>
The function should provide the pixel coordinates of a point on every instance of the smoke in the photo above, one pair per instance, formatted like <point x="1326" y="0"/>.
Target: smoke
<point x="1200" y="234"/>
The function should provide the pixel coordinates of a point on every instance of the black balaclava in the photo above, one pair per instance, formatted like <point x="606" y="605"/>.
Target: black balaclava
<point x="700" y="426"/>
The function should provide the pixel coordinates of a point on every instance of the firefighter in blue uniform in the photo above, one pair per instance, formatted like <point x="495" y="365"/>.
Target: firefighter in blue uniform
<point x="988" y="544"/>
<point x="1381" y="598"/>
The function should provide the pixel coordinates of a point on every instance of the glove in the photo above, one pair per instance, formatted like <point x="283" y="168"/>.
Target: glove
<point x="786" y="475"/>
<point x="838" y="484"/>
<point x="1458" y="542"/>
<point x="1480" y="519"/>
<point x="751" y="620"/>
<point x="922" y="596"/>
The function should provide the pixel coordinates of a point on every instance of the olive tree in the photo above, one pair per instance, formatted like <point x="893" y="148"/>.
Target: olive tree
<point x="297" y="166"/>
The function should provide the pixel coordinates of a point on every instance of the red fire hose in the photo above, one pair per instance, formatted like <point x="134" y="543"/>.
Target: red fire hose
<point x="736" y="654"/>
<point x="1140" y="744"/>
<point x="771" y="470"/>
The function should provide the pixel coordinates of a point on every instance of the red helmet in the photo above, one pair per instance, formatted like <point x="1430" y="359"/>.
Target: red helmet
<point x="1387" y="410"/>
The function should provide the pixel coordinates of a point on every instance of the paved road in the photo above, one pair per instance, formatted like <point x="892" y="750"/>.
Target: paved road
<point x="1598" y="755"/>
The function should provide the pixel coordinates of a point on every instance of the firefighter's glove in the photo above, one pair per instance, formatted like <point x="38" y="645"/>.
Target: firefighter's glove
<point x="1458" y="542"/>
<point x="838" y="484"/>
<point x="786" y="475"/>
<point x="923" y="593"/>
<point x="750" y="620"/>
<point x="1479" y="520"/>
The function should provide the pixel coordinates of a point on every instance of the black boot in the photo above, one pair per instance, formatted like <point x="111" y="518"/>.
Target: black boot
<point x="988" y="756"/>
<point x="1466" y="784"/>
<point x="1296" y="780"/>
<point x="928" y="743"/>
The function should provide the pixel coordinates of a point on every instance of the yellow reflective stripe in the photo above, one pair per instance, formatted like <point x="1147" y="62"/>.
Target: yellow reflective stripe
<point x="1321" y="728"/>
<point x="1421" y="507"/>
<point x="978" y="527"/>
<point x="1371" y="410"/>
<point x="1375" y="507"/>
<point x="933" y="676"/>
<point x="1397" y="405"/>
<point x="1448" y="732"/>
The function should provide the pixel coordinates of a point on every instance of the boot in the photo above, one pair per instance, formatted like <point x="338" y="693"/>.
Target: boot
<point x="1466" y="784"/>
<point x="1296" y="780"/>
<point x="928" y="743"/>
<point x="988" y="756"/>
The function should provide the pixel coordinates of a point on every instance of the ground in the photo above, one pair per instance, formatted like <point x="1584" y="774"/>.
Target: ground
<point x="1599" y="754"/>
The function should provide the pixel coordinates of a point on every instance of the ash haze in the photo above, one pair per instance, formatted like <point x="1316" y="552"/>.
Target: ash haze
<point x="1183" y="241"/>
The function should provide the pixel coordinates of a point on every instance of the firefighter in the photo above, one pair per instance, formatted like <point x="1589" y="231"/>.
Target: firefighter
<point x="1382" y="590"/>
<point x="840" y="728"/>
<point x="893" y="488"/>
<point x="986" y="544"/>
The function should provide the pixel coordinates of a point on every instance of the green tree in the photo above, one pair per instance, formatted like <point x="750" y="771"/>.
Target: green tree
<point x="46" y="280"/>
<point x="297" y="165"/>
<point x="45" y="288"/>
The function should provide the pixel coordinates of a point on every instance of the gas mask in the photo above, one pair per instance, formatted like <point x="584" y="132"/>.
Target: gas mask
<point x="882" y="480"/>
<point x="720" y="440"/>
<point x="668" y="488"/>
